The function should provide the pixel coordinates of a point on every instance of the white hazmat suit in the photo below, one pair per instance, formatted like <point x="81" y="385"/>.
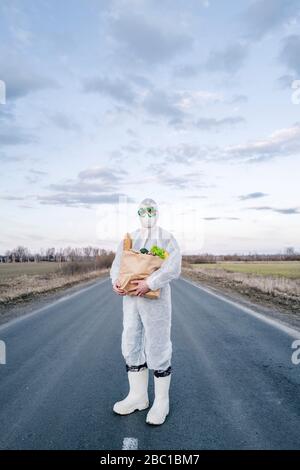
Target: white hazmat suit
<point x="146" y="341"/>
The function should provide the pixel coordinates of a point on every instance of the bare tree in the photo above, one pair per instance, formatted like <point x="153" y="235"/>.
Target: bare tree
<point x="21" y="252"/>
<point x="87" y="250"/>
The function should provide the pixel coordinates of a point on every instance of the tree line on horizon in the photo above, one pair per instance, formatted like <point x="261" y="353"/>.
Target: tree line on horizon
<point x="24" y="254"/>
<point x="289" y="254"/>
<point x="90" y="253"/>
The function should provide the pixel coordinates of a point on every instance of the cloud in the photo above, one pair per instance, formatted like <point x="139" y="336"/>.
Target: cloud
<point x="27" y="206"/>
<point x="106" y="175"/>
<point x="12" y="198"/>
<point x="286" y="81"/>
<point x="189" y="99"/>
<point x="281" y="143"/>
<point x="290" y="53"/>
<point x="92" y="186"/>
<point x="15" y="135"/>
<point x="21" y="81"/>
<point x="19" y="86"/>
<point x="4" y="158"/>
<point x="6" y="114"/>
<point x="211" y="218"/>
<point x="144" y="41"/>
<point x="195" y="196"/>
<point x="220" y="218"/>
<point x="238" y="99"/>
<point x="262" y="16"/>
<point x="175" y="181"/>
<point x="213" y="123"/>
<point x="19" y="26"/>
<point x="64" y="122"/>
<point x="117" y="88"/>
<point x="98" y="185"/>
<point x="160" y="103"/>
<point x="132" y="147"/>
<point x="186" y="70"/>
<point x="131" y="132"/>
<point x="286" y="211"/>
<point x="81" y="187"/>
<point x="180" y="153"/>
<point x="228" y="60"/>
<point x="35" y="176"/>
<point x="155" y="102"/>
<point x="181" y="109"/>
<point x="11" y="133"/>
<point x="140" y="80"/>
<point x="81" y="200"/>
<point x="178" y="107"/>
<point x="256" y="195"/>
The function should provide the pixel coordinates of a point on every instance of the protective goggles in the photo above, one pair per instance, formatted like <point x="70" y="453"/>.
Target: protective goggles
<point x="151" y="211"/>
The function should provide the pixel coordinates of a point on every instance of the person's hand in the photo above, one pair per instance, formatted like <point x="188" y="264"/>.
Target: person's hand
<point x="141" y="287"/>
<point x="116" y="288"/>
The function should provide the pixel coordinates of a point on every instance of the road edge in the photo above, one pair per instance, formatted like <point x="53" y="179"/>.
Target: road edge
<point x="261" y="313"/>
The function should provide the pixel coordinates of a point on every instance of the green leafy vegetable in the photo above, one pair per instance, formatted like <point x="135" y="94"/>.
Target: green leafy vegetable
<point x="155" y="250"/>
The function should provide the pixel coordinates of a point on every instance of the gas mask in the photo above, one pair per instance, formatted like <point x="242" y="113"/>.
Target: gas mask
<point x="148" y="213"/>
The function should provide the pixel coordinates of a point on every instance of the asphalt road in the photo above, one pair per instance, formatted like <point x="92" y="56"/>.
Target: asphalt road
<point x="233" y="386"/>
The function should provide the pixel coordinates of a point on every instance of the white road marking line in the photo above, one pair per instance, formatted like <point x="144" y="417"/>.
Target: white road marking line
<point x="52" y="304"/>
<point x="130" y="443"/>
<point x="260" y="316"/>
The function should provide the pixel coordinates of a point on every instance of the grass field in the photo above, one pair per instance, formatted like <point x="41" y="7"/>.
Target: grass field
<point x="287" y="269"/>
<point x="17" y="269"/>
<point x="24" y="281"/>
<point x="272" y="283"/>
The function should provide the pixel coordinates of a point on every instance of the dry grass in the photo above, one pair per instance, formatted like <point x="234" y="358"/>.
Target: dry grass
<point x="10" y="270"/>
<point x="275" y="288"/>
<point x="16" y="287"/>
<point x="287" y="269"/>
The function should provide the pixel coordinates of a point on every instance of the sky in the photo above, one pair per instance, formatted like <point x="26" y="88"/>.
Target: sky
<point x="194" y="103"/>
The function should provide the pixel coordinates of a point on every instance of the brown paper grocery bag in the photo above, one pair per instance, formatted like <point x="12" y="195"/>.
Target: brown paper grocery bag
<point x="135" y="265"/>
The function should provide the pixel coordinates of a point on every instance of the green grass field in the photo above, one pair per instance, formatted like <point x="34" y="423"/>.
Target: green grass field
<point x="288" y="269"/>
<point x="16" y="269"/>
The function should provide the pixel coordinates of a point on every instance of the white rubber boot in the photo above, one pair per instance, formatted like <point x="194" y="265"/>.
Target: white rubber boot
<point x="137" y="398"/>
<point x="160" y="408"/>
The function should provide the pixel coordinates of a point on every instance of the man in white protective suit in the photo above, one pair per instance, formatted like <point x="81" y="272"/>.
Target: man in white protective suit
<point x="146" y="341"/>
